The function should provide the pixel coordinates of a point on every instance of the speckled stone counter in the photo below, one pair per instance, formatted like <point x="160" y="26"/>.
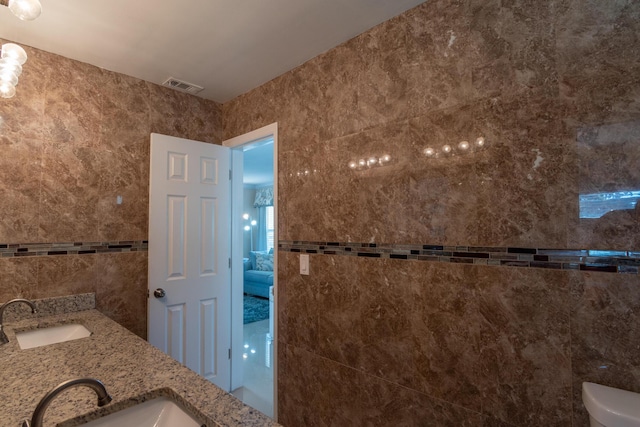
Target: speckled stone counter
<point x="131" y="369"/>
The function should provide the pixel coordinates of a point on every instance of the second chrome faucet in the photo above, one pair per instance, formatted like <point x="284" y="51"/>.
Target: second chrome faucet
<point x="3" y="336"/>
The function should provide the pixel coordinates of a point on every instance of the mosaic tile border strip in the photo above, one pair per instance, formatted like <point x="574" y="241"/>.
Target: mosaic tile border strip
<point x="8" y="250"/>
<point x="626" y="262"/>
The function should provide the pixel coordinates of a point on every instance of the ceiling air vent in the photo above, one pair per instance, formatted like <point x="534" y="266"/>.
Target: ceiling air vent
<point x="182" y="86"/>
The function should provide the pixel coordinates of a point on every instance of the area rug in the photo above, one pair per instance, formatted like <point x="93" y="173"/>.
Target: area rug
<point x="255" y="309"/>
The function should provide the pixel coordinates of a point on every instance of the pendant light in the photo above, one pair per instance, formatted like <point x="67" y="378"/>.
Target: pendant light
<point x="12" y="56"/>
<point x="27" y="10"/>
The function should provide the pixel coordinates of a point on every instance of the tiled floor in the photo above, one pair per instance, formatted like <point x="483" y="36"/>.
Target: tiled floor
<point x="258" y="368"/>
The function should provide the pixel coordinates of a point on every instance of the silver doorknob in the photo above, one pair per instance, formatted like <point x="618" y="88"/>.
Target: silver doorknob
<point x="159" y="293"/>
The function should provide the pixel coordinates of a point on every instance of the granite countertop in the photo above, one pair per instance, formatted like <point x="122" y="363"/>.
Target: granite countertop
<point x="131" y="369"/>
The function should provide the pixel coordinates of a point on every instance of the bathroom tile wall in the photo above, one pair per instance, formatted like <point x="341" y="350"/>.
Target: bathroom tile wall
<point x="554" y="90"/>
<point x="73" y="138"/>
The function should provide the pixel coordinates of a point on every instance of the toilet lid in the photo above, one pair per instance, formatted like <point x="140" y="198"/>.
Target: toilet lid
<point x="611" y="406"/>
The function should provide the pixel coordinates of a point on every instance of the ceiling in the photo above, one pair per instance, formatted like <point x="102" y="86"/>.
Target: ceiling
<point x="227" y="46"/>
<point x="257" y="162"/>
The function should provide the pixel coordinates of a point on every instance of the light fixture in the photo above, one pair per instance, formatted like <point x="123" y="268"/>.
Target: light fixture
<point x="12" y="57"/>
<point x="27" y="10"/>
<point x="250" y="223"/>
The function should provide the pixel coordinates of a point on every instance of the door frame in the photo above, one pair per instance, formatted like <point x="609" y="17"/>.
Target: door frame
<point x="268" y="131"/>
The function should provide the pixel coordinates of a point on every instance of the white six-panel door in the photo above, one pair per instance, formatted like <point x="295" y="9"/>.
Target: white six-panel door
<point x="189" y="250"/>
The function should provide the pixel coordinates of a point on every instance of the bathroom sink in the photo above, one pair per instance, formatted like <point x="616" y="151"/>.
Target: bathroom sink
<point x="159" y="412"/>
<point x="51" y="335"/>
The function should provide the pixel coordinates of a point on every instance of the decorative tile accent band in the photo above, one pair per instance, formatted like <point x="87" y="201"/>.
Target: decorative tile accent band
<point x="70" y="248"/>
<point x="627" y="262"/>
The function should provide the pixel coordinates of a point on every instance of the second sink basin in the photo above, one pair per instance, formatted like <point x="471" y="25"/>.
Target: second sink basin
<point x="159" y="412"/>
<point x="51" y="335"/>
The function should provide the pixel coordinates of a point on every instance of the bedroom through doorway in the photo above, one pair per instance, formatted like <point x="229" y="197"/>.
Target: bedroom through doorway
<point x="257" y="218"/>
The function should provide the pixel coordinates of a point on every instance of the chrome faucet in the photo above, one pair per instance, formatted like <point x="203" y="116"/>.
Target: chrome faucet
<point x="3" y="336"/>
<point x="93" y="384"/>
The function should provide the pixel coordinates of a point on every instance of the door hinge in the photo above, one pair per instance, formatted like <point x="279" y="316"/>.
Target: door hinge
<point x="229" y="354"/>
<point x="229" y="262"/>
<point x="230" y="175"/>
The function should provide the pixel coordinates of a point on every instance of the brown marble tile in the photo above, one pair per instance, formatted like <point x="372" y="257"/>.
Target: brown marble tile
<point x="128" y="220"/>
<point x="297" y="304"/>
<point x="397" y="70"/>
<point x="167" y="109"/>
<point x="340" y="319"/>
<point x="18" y="278"/>
<point x="497" y="344"/>
<point x="66" y="275"/>
<point x="442" y="201"/>
<point x="525" y="335"/>
<point x="242" y="114"/>
<point x="314" y="391"/>
<point x="124" y="127"/>
<point x="121" y="289"/>
<point x="291" y="180"/>
<point x="69" y="194"/>
<point x="446" y="333"/>
<point x="122" y="174"/>
<point x="524" y="179"/>
<point x="296" y="385"/>
<point x="604" y="335"/>
<point x="416" y="63"/>
<point x="205" y="120"/>
<point x="339" y="75"/>
<point x="309" y="170"/>
<point x="399" y="202"/>
<point x="73" y="103"/>
<point x="318" y="392"/>
<point x="512" y="46"/>
<point x="125" y="92"/>
<point x="20" y="175"/>
<point x="386" y="404"/>
<point x="390" y="297"/>
<point x="598" y="66"/>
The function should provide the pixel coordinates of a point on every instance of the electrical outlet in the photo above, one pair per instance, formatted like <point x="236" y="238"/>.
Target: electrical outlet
<point x="304" y="264"/>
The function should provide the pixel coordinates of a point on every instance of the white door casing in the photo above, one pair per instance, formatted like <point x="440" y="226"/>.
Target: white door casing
<point x="189" y="252"/>
<point x="269" y="131"/>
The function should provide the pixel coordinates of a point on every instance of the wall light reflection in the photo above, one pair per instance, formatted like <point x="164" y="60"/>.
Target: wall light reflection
<point x="462" y="147"/>
<point x="370" y="162"/>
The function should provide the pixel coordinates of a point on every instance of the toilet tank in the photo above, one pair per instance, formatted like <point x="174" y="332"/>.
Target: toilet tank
<point x="611" y="407"/>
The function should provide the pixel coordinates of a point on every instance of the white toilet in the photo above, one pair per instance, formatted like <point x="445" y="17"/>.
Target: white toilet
<point x="611" y="407"/>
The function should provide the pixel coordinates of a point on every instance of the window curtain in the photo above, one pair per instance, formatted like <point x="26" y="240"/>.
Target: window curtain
<point x="264" y="198"/>
<point x="261" y="241"/>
